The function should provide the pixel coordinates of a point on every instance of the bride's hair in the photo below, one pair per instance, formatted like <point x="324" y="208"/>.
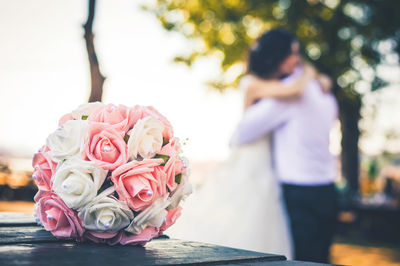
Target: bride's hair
<point x="270" y="49"/>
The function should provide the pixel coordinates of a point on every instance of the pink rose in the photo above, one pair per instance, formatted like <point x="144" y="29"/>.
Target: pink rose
<point x="151" y="111"/>
<point x="173" y="166"/>
<point x="105" y="146"/>
<point x="122" y="237"/>
<point x="65" y="118"/>
<point x="101" y="237"/>
<point x="171" y="218"/>
<point x="41" y="194"/>
<point x="139" y="183"/>
<point x="119" y="117"/>
<point x="44" y="168"/>
<point x="140" y="239"/>
<point x="57" y="218"/>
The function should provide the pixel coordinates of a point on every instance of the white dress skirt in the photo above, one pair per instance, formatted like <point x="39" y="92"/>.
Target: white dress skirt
<point x="240" y="205"/>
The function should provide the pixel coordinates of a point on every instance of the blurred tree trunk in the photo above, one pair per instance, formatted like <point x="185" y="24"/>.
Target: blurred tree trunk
<point x="349" y="115"/>
<point x="97" y="79"/>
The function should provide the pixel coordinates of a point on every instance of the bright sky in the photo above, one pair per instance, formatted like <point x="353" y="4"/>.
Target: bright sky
<point x="44" y="73"/>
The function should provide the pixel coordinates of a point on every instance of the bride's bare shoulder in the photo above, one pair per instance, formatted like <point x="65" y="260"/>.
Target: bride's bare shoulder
<point x="245" y="82"/>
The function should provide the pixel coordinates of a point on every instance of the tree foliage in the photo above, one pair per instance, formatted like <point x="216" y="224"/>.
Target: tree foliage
<point x="345" y="38"/>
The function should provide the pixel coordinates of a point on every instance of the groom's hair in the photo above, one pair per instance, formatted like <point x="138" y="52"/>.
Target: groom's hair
<point x="269" y="51"/>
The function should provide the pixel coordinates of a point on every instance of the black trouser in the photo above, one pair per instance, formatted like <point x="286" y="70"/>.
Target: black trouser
<point x="312" y="213"/>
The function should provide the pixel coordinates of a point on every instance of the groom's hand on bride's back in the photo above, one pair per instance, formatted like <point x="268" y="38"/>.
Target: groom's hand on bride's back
<point x="312" y="73"/>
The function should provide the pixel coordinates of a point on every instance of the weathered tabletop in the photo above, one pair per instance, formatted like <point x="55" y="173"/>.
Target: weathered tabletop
<point x="22" y="242"/>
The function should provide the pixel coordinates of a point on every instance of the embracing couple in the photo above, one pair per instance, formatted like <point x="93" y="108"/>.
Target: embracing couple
<point x="276" y="194"/>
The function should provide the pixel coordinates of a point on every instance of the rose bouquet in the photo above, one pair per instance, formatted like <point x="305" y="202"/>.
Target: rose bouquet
<point x="110" y="174"/>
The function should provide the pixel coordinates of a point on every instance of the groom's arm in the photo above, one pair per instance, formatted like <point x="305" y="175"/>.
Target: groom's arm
<point x="260" y="119"/>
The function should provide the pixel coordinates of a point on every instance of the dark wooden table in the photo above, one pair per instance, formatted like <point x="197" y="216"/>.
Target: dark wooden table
<point x="22" y="242"/>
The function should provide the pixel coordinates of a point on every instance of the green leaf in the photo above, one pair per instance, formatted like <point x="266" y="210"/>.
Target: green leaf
<point x="164" y="157"/>
<point x="126" y="138"/>
<point x="84" y="117"/>
<point x="165" y="141"/>
<point x="178" y="178"/>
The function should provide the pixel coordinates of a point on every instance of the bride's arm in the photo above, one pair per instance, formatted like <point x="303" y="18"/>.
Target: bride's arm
<point x="260" y="88"/>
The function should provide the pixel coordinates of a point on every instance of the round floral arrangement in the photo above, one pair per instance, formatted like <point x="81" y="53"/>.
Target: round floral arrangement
<point x="110" y="174"/>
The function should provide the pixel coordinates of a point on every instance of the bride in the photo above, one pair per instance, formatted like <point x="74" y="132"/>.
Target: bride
<point x="241" y="205"/>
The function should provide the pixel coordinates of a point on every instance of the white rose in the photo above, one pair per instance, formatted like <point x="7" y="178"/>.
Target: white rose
<point x="84" y="110"/>
<point x="106" y="213"/>
<point x="145" y="139"/>
<point x="183" y="190"/>
<point x="77" y="181"/>
<point x="154" y="215"/>
<point x="67" y="140"/>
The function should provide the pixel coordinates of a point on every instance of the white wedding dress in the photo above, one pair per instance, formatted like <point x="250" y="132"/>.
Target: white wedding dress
<point x="239" y="206"/>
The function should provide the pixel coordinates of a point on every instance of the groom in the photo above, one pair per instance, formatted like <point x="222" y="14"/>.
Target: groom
<point x="301" y="157"/>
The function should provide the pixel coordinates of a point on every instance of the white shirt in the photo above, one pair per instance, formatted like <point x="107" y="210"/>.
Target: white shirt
<point x="300" y="130"/>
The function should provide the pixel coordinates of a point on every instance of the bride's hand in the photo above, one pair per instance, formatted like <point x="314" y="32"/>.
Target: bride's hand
<point x="309" y="71"/>
<point x="325" y="82"/>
